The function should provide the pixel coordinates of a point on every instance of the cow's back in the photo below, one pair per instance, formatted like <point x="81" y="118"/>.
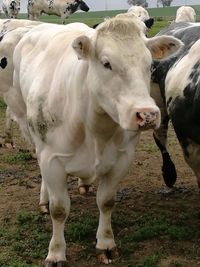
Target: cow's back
<point x="188" y="33"/>
<point x="45" y="47"/>
<point x="43" y="59"/>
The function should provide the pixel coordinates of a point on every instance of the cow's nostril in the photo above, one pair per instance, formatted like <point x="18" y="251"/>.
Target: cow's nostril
<point x="140" y="119"/>
<point x="138" y="115"/>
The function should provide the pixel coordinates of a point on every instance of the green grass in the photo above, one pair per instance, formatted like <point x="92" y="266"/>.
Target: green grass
<point x="92" y="17"/>
<point x="2" y="104"/>
<point x="82" y="228"/>
<point x="148" y="227"/>
<point x="26" y="242"/>
<point x="150" y="261"/>
<point x="15" y="157"/>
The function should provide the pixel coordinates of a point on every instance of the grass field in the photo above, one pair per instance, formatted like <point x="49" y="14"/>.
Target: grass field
<point x="92" y="17"/>
<point x="162" y="17"/>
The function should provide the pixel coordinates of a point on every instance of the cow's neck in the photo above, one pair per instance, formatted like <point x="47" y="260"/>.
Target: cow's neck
<point x="101" y="125"/>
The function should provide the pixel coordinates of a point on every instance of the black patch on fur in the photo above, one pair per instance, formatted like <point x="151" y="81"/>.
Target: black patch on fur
<point x="83" y="6"/>
<point x="149" y="23"/>
<point x="95" y="25"/>
<point x="1" y="37"/>
<point x="13" y="5"/>
<point x="77" y="4"/>
<point x="3" y="62"/>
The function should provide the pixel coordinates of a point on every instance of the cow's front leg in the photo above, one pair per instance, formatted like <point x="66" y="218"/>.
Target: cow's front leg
<point x="59" y="205"/>
<point x="106" y="246"/>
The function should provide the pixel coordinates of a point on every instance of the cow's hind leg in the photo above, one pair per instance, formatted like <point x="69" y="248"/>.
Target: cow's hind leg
<point x="160" y="137"/>
<point x="59" y="205"/>
<point x="44" y="198"/>
<point x="8" y="136"/>
<point x="192" y="157"/>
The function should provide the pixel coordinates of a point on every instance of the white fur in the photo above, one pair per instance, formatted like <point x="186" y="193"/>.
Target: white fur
<point x="185" y="14"/>
<point x="139" y="12"/>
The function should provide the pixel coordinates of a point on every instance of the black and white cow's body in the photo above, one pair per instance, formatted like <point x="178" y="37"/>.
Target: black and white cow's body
<point x="177" y="80"/>
<point x="61" y="8"/>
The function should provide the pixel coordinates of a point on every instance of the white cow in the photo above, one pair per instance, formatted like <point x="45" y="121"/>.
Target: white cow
<point x="11" y="8"/>
<point x="61" y="8"/>
<point x="7" y="45"/>
<point x="140" y="12"/>
<point x="185" y="14"/>
<point x="85" y="99"/>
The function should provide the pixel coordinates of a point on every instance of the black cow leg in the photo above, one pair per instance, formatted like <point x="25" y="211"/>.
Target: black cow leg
<point x="168" y="167"/>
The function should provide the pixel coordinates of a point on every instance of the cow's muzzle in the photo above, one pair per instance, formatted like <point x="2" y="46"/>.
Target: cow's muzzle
<point x="145" y="119"/>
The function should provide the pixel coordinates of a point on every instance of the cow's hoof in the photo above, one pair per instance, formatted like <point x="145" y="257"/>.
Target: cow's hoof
<point x="44" y="209"/>
<point x="9" y="145"/>
<point x="84" y="189"/>
<point x="56" y="264"/>
<point x="108" y="256"/>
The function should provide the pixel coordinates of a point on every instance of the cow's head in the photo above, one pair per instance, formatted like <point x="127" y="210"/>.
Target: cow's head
<point x="118" y="58"/>
<point x="83" y="6"/>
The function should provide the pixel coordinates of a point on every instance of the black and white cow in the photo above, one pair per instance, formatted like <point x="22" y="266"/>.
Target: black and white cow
<point x="61" y="8"/>
<point x="11" y="8"/>
<point x="176" y="88"/>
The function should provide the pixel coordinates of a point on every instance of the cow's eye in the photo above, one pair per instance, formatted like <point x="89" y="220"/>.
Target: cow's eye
<point x="107" y="65"/>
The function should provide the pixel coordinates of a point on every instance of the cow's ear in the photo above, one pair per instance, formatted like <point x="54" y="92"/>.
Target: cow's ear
<point x="149" y="23"/>
<point x="164" y="46"/>
<point x="82" y="46"/>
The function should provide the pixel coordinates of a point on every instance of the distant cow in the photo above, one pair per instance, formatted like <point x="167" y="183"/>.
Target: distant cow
<point x="61" y="8"/>
<point x="85" y="95"/>
<point x="7" y="45"/>
<point x="11" y="8"/>
<point x="139" y="12"/>
<point x="185" y="14"/>
<point x="179" y="93"/>
<point x="148" y="22"/>
<point x="142" y="14"/>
